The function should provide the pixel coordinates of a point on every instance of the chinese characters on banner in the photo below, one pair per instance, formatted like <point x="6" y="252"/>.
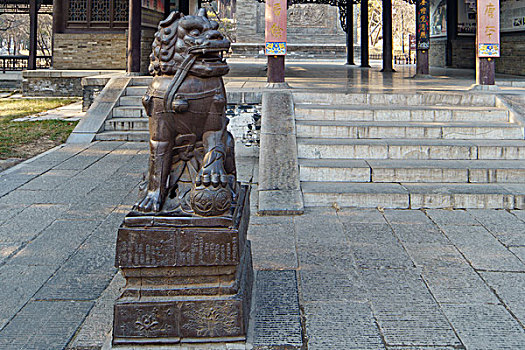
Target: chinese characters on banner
<point x="423" y="24"/>
<point x="488" y="28"/>
<point x="275" y="31"/>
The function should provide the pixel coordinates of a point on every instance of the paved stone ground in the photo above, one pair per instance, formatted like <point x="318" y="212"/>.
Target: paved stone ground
<point x="331" y="279"/>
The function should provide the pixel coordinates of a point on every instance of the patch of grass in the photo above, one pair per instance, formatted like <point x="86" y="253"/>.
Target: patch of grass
<point x="29" y="138"/>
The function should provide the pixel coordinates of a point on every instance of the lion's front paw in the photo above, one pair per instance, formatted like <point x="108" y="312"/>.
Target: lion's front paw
<point x="212" y="174"/>
<point x="151" y="202"/>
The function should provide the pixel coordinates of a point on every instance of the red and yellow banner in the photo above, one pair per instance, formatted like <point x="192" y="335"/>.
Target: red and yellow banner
<point x="275" y="31"/>
<point x="488" y="28"/>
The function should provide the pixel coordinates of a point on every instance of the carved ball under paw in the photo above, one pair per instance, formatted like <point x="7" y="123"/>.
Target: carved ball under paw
<point x="211" y="201"/>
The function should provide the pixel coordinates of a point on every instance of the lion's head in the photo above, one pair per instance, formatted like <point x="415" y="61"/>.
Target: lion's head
<point x="179" y="36"/>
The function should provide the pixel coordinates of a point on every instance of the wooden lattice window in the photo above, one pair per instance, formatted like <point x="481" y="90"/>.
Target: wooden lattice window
<point x="97" y="13"/>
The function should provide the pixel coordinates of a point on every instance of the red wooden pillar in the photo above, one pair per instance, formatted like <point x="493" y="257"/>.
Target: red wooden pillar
<point x="422" y="36"/>
<point x="364" y="33"/>
<point x="33" y="26"/>
<point x="487" y="41"/>
<point x="275" y="39"/>
<point x="134" y="35"/>
<point x="387" y="36"/>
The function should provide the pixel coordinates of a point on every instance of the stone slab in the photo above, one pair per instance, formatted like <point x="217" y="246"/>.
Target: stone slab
<point x="451" y="217"/>
<point x="44" y="325"/>
<point x="341" y="325"/>
<point x="19" y="284"/>
<point x="510" y="287"/>
<point x="427" y="255"/>
<point x="273" y="246"/>
<point x="349" y="216"/>
<point x="41" y="250"/>
<point x="458" y="286"/>
<point x="417" y="233"/>
<point x="277" y="321"/>
<point x="507" y="228"/>
<point x="329" y="285"/>
<point x="519" y="252"/>
<point x="405" y="310"/>
<point x="485" y="327"/>
<point x="482" y="249"/>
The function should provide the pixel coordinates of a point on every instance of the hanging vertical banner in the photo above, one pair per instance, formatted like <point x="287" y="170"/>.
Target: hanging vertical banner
<point x="275" y="29"/>
<point x="423" y="24"/>
<point x="488" y="28"/>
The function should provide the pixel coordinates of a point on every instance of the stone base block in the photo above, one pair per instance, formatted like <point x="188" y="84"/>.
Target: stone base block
<point x="188" y="279"/>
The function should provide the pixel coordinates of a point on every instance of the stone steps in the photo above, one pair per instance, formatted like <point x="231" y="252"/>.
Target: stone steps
<point x="131" y="100"/>
<point x="410" y="151"/>
<point x="130" y="124"/>
<point x="408" y="130"/>
<point x="129" y="112"/>
<point x="123" y="136"/>
<point x="413" y="171"/>
<point x="134" y="90"/>
<point x="396" y="99"/>
<point x="413" y="196"/>
<point x="400" y="113"/>
<point x="332" y="148"/>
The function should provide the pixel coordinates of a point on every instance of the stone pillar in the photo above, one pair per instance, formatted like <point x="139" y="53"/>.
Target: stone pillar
<point x="349" y="32"/>
<point x="387" y="36"/>
<point x="134" y="36"/>
<point x="422" y="36"/>
<point x="364" y="34"/>
<point x="33" y="26"/>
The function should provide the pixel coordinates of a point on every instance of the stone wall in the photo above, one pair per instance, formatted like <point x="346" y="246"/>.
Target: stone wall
<point x="89" y="51"/>
<point x="145" y="49"/>
<point x="464" y="53"/>
<point x="60" y="83"/>
<point x="307" y="24"/>
<point x="437" y="57"/>
<point x="512" y="54"/>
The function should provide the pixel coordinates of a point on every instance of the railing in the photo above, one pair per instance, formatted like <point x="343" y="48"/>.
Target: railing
<point x="404" y="59"/>
<point x="19" y="62"/>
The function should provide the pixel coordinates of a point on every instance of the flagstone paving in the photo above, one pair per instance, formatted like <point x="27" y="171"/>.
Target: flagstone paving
<point x="328" y="279"/>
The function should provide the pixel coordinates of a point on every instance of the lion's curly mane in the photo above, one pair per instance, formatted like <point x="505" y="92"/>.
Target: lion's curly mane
<point x="164" y="58"/>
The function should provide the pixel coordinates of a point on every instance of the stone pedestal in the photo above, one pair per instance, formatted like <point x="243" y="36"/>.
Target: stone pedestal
<point x="188" y="279"/>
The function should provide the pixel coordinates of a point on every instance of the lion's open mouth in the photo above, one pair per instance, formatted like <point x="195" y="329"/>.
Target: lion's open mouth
<point x="210" y="50"/>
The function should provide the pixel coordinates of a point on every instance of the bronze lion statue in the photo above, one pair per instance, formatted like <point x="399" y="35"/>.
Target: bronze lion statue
<point x="191" y="162"/>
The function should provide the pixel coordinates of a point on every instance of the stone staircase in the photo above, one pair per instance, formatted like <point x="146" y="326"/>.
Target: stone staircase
<point x="128" y="121"/>
<point x="423" y="150"/>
